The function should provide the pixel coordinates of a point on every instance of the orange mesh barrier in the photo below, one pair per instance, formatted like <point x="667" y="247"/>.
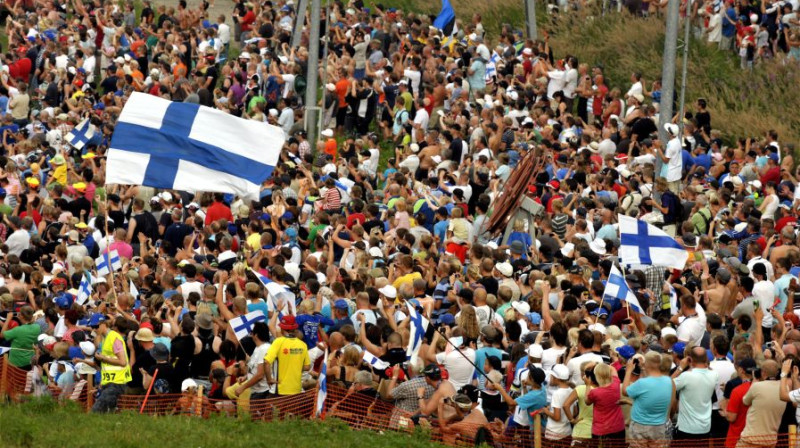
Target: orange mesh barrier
<point x="359" y="411"/>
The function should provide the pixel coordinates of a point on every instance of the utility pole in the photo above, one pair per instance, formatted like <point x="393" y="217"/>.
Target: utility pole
<point x="530" y="18"/>
<point x="298" y="24"/>
<point x="311" y="76"/>
<point x="324" y="76"/>
<point x="686" y="37"/>
<point x="668" y="73"/>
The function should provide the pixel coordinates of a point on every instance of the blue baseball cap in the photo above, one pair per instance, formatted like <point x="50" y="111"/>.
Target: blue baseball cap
<point x="679" y="347"/>
<point x="626" y="351"/>
<point x="266" y="217"/>
<point x="287" y="216"/>
<point x="535" y="318"/>
<point x="341" y="304"/>
<point x="96" y="319"/>
<point x="291" y="232"/>
<point x="447" y="319"/>
<point x="63" y="300"/>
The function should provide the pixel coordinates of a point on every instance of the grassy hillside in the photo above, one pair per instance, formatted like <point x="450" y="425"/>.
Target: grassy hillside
<point x="742" y="104"/>
<point x="46" y="424"/>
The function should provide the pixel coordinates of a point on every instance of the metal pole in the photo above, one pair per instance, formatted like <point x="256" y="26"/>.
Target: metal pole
<point x="668" y="73"/>
<point x="530" y="17"/>
<point x="312" y="75"/>
<point x="324" y="77"/>
<point x="686" y="37"/>
<point x="298" y="24"/>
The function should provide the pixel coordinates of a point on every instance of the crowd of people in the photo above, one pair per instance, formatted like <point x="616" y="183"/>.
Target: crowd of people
<point x="383" y="225"/>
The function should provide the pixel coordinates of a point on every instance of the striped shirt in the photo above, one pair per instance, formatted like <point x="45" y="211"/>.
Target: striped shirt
<point x="332" y="199"/>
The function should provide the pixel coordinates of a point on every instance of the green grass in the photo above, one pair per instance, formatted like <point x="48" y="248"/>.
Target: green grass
<point x="47" y="424"/>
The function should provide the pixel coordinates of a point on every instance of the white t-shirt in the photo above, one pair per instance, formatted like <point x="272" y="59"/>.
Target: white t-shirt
<point x="256" y="359"/>
<point x="459" y="368"/>
<point x="574" y="366"/>
<point x="550" y="357"/>
<point x="764" y="292"/>
<point x="415" y="77"/>
<point x="557" y="429"/>
<point x="726" y="370"/>
<point x="691" y="330"/>
<point x="675" y="166"/>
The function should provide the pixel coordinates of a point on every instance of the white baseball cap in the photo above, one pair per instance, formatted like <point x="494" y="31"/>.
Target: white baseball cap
<point x="389" y="291"/>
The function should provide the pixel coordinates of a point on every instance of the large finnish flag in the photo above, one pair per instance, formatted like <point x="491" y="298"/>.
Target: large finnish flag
<point x="278" y="292"/>
<point x="617" y="289"/>
<point x="645" y="244"/>
<point x="183" y="146"/>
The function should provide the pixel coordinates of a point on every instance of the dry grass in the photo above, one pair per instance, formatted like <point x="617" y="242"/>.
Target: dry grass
<point x="742" y="104"/>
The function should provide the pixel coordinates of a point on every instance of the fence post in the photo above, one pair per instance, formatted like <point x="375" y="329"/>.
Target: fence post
<point x="3" y="378"/>
<point x="792" y="436"/>
<point x="537" y="431"/>
<point x="89" y="393"/>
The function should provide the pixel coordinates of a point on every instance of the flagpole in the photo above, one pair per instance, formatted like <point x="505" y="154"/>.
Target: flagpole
<point x="438" y="330"/>
<point x="323" y="371"/>
<point x="108" y="248"/>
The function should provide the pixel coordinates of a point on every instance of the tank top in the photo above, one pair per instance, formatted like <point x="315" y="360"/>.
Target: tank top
<point x="201" y="363"/>
<point x="583" y="429"/>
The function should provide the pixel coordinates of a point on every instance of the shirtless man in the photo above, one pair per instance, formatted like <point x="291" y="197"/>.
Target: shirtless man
<point x="718" y="296"/>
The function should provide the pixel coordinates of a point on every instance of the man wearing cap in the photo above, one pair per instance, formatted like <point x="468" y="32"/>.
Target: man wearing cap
<point x="292" y="358"/>
<point x="533" y="397"/>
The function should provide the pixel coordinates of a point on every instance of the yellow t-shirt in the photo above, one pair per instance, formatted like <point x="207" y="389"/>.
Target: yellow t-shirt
<point x="254" y="241"/>
<point x="408" y="278"/>
<point x="292" y="356"/>
<point x="60" y="174"/>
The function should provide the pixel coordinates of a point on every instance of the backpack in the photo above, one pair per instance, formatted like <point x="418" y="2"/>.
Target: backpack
<point x="706" y="219"/>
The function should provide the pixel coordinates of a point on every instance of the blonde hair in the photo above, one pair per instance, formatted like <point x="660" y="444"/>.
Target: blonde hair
<point x="602" y="373"/>
<point x="306" y="307"/>
<point x="519" y="225"/>
<point x="351" y="356"/>
<point x="204" y="308"/>
<point x="240" y="269"/>
<point x="468" y="321"/>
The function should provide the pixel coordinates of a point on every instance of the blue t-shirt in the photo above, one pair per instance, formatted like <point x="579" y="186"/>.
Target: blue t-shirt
<point x="440" y="230"/>
<point x="480" y="358"/>
<point x="524" y="238"/>
<point x="532" y="401"/>
<point x="703" y="160"/>
<point x="309" y="325"/>
<point x="258" y="306"/>
<point x="729" y="29"/>
<point x="651" y="398"/>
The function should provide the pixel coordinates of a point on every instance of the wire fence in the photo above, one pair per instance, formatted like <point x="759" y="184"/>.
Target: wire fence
<point x="359" y="410"/>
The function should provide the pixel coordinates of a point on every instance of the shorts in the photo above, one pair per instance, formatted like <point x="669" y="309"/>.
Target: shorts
<point x="648" y="436"/>
<point x="107" y="400"/>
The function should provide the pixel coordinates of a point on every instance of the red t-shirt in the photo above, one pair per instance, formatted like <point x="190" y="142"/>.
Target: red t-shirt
<point x="20" y="69"/>
<point x="773" y="174"/>
<point x="608" y="417"/>
<point x="218" y="211"/>
<point x="736" y="405"/>
<point x="597" y="101"/>
<point x="248" y="20"/>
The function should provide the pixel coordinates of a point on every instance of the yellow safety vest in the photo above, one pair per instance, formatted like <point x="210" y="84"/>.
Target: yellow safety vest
<point x="111" y="374"/>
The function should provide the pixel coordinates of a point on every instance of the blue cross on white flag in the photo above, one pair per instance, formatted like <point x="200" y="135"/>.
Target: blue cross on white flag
<point x="374" y="361"/>
<point x="108" y="260"/>
<point x="184" y="146"/>
<point x="617" y="289"/>
<point x="645" y="244"/>
<point x="322" y="393"/>
<point x="81" y="135"/>
<point x="243" y="325"/>
<point x="418" y="327"/>
<point x="278" y="292"/>
<point x="84" y="290"/>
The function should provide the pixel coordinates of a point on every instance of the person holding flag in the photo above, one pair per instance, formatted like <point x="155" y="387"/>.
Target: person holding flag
<point x="259" y="382"/>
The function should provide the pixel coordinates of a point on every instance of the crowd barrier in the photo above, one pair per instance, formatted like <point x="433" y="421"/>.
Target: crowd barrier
<point x="358" y="411"/>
